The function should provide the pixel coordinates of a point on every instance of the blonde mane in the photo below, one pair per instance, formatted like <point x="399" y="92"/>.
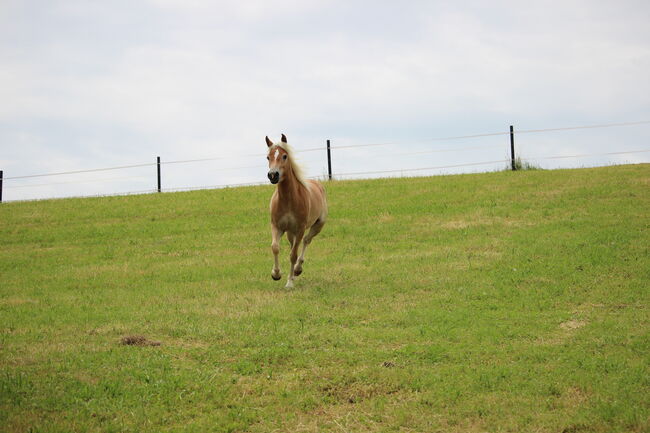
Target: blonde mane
<point x="297" y="168"/>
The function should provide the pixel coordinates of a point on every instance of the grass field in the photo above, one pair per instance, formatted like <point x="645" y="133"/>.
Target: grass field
<point x="510" y="301"/>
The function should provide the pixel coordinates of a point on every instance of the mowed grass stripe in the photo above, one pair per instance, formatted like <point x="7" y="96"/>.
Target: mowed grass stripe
<point x="485" y="302"/>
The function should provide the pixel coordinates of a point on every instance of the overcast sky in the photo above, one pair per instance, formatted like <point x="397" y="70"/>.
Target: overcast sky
<point x="92" y="84"/>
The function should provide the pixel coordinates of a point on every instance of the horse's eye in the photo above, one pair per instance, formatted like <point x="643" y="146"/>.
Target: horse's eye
<point x="284" y="157"/>
<point x="268" y="158"/>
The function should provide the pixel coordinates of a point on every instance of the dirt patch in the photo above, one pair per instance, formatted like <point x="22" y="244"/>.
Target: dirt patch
<point x="17" y="301"/>
<point x="357" y="392"/>
<point x="482" y="220"/>
<point x="572" y="324"/>
<point x="385" y="217"/>
<point x="567" y="330"/>
<point x="575" y="396"/>
<point x="138" y="340"/>
<point x="575" y="428"/>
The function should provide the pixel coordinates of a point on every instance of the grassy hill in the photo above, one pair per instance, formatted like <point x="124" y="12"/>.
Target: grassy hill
<point x="511" y="301"/>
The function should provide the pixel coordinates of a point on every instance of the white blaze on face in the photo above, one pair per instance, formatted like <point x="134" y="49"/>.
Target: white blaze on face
<point x="277" y="152"/>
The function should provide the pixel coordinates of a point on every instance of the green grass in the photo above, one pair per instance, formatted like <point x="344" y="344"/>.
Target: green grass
<point x="510" y="301"/>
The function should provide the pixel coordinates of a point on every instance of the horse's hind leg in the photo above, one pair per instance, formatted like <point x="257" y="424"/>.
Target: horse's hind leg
<point x="315" y="229"/>
<point x="294" y="256"/>
<point x="276" y="234"/>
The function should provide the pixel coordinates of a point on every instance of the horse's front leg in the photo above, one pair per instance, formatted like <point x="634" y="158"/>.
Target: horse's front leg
<point x="276" y="235"/>
<point x="294" y="255"/>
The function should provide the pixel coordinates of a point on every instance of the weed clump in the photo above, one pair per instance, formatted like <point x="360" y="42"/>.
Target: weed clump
<point x="138" y="340"/>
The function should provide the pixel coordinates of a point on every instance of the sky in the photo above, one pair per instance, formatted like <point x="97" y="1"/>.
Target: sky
<point x="97" y="84"/>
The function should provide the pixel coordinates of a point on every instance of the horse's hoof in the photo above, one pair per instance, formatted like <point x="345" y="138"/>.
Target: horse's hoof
<point x="276" y="278"/>
<point x="297" y="269"/>
<point x="276" y="275"/>
<point x="289" y="285"/>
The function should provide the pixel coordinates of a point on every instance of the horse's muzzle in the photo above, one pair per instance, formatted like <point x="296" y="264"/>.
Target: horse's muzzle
<point x="274" y="177"/>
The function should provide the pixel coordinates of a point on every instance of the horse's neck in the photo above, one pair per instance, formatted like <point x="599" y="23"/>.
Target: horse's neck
<point x="290" y="189"/>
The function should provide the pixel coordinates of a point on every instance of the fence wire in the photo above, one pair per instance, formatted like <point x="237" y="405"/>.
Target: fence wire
<point x="492" y="134"/>
<point x="586" y="155"/>
<point x="351" y="146"/>
<point x="92" y="170"/>
<point x="569" y="128"/>
<point x="360" y="173"/>
<point x="34" y="185"/>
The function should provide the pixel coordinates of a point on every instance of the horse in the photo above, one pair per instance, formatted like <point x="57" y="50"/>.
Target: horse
<point x="298" y="205"/>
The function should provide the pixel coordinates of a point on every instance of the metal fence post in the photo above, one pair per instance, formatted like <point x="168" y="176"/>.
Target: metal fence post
<point x="0" y="186"/>
<point x="329" y="161"/>
<point x="512" y="148"/>
<point x="158" y="164"/>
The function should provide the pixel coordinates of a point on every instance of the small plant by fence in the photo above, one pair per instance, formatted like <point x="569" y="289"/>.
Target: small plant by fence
<point x="514" y="161"/>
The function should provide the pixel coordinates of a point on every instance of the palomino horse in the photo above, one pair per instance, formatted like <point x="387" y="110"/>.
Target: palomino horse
<point x="297" y="205"/>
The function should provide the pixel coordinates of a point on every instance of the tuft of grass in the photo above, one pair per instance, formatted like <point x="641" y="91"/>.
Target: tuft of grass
<point x="486" y="302"/>
<point x="521" y="164"/>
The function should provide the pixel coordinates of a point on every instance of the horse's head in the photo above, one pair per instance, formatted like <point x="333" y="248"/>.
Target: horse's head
<point x="278" y="157"/>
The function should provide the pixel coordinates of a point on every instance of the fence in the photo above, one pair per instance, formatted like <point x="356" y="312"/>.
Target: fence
<point x="512" y="160"/>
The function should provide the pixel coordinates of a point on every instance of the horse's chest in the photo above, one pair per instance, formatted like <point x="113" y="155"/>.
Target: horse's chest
<point x="287" y="221"/>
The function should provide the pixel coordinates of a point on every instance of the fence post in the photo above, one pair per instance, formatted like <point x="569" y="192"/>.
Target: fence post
<point x="329" y="161"/>
<point x="0" y="186"/>
<point x="512" y="148"/>
<point x="158" y="164"/>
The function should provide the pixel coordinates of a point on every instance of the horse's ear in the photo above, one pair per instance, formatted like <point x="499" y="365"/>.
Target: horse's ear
<point x="284" y="138"/>
<point x="268" y="142"/>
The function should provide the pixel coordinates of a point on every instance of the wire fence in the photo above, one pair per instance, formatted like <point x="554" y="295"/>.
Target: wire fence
<point x="346" y="171"/>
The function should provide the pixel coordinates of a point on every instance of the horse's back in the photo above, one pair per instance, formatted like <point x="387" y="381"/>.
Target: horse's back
<point x="315" y="185"/>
